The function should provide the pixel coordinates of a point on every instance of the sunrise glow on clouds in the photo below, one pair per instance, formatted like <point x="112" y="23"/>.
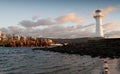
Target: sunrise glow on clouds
<point x="62" y="19"/>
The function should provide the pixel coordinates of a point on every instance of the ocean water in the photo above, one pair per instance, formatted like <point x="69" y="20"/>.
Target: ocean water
<point x="27" y="61"/>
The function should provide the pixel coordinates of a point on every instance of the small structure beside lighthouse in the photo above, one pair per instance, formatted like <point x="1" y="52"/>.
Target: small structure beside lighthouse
<point x="98" y="17"/>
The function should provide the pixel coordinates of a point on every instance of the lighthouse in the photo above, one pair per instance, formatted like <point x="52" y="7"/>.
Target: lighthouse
<point x="98" y="17"/>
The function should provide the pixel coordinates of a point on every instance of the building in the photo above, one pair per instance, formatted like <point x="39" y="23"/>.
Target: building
<point x="0" y="35"/>
<point x="98" y="17"/>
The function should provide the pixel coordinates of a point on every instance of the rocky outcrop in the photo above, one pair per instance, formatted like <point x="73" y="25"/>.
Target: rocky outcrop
<point x="100" y="47"/>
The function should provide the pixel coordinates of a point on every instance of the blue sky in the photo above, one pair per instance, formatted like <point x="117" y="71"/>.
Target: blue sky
<point x="12" y="12"/>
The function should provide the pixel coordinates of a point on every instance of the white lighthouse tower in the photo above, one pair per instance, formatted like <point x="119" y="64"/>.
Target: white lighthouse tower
<point x="98" y="17"/>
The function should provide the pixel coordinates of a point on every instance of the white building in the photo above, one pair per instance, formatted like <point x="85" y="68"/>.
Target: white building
<point x="98" y="17"/>
<point x="0" y="35"/>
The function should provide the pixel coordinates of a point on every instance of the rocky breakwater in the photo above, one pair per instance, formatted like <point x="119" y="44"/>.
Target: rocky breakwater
<point x="95" y="48"/>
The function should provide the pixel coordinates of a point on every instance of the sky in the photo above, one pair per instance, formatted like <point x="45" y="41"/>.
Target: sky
<point x="58" y="18"/>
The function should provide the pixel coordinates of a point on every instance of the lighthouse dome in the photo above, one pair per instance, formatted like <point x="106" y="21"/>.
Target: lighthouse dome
<point x="98" y="11"/>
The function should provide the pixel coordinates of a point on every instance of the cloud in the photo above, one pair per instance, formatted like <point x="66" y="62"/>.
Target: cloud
<point x="43" y="22"/>
<point x="90" y="27"/>
<point x="108" y="10"/>
<point x="35" y="17"/>
<point x="47" y="21"/>
<point x="111" y="26"/>
<point x="71" y="17"/>
<point x="16" y="30"/>
<point x="54" y="27"/>
<point x="111" y="29"/>
<point x="27" y="23"/>
<point x="4" y="30"/>
<point x="55" y="31"/>
<point x="65" y="32"/>
<point x="59" y="31"/>
<point x="113" y="34"/>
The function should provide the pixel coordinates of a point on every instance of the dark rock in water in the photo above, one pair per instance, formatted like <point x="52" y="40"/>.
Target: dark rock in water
<point x="98" y="47"/>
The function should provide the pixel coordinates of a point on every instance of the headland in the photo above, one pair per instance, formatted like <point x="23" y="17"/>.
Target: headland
<point x="95" y="47"/>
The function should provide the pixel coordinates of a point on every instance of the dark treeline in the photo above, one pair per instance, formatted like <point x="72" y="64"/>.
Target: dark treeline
<point x="95" y="48"/>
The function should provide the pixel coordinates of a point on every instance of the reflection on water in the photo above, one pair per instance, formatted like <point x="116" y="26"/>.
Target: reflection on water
<point x="26" y="61"/>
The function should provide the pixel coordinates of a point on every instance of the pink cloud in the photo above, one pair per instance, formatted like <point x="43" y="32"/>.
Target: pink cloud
<point x="108" y="10"/>
<point x="69" y="17"/>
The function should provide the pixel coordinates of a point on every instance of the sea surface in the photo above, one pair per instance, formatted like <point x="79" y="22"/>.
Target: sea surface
<point x="27" y="61"/>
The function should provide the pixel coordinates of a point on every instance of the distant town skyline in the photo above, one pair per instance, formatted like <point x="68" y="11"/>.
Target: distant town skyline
<point x="58" y="18"/>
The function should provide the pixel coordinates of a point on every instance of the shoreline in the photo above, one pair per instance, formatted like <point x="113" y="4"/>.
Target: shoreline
<point x="95" y="48"/>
